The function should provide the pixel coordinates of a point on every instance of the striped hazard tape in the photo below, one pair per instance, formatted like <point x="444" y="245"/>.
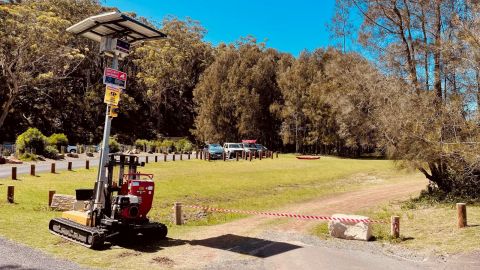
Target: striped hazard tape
<point x="307" y="217"/>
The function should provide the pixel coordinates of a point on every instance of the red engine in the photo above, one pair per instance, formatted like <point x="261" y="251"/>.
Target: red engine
<point x="135" y="198"/>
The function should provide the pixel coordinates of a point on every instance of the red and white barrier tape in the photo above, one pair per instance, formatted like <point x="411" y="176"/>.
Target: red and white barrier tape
<point x="212" y="209"/>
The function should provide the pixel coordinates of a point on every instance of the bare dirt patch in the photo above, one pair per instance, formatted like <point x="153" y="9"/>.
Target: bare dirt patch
<point x="164" y="261"/>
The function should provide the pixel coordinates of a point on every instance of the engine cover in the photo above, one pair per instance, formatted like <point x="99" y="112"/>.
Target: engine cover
<point x="144" y="190"/>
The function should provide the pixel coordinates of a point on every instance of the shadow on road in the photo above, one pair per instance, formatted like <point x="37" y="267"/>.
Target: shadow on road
<point x="14" y="266"/>
<point x="257" y="247"/>
<point x="246" y="245"/>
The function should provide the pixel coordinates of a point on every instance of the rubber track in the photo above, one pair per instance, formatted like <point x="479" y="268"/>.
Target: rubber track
<point x="97" y="235"/>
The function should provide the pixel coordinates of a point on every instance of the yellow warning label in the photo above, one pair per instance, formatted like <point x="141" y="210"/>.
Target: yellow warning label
<point x="113" y="111"/>
<point x="112" y="95"/>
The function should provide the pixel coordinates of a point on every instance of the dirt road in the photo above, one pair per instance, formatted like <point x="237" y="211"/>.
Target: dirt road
<point x="266" y="243"/>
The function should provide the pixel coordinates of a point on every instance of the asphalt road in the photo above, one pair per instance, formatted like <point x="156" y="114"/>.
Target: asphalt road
<point x="15" y="256"/>
<point x="6" y="171"/>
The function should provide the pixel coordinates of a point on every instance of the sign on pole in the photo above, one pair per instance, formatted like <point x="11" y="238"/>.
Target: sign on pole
<point x="112" y="95"/>
<point x="114" y="77"/>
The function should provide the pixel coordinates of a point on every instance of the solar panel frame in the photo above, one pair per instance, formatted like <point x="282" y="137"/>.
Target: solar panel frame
<point x="115" y="24"/>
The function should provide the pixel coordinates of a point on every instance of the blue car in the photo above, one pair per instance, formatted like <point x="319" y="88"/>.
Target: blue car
<point x="215" y="150"/>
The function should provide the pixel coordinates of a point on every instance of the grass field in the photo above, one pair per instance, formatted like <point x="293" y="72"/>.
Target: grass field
<point x="266" y="184"/>
<point x="430" y="228"/>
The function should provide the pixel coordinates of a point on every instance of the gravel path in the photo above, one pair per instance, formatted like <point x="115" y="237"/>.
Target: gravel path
<point x="17" y="256"/>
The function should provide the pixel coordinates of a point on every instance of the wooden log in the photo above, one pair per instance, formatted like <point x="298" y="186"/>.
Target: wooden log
<point x="462" y="215"/>
<point x="69" y="166"/>
<point x="50" y="197"/>
<point x="52" y="168"/>
<point x="87" y="164"/>
<point x="14" y="173"/>
<point x="178" y="213"/>
<point x="395" y="226"/>
<point x="11" y="194"/>
<point x="32" y="169"/>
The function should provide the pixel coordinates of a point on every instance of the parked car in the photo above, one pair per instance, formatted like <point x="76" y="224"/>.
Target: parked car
<point x="215" y="150"/>
<point x="72" y="149"/>
<point x="249" y="147"/>
<point x="231" y="149"/>
<point x="261" y="147"/>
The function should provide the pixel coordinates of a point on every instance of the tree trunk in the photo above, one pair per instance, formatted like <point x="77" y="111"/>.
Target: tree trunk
<point x="436" y="52"/>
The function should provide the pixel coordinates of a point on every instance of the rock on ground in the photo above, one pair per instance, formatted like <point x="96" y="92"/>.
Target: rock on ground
<point x="350" y="230"/>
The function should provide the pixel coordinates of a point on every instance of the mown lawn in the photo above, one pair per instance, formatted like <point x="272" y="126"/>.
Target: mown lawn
<point x="266" y="184"/>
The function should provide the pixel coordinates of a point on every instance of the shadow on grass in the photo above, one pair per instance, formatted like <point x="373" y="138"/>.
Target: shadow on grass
<point x="257" y="247"/>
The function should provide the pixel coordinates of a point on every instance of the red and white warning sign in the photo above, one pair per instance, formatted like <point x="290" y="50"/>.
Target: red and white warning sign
<point x="115" y="77"/>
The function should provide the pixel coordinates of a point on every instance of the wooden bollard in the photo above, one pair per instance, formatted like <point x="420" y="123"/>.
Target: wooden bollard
<point x="156" y="158"/>
<point x="196" y="154"/>
<point x="14" y="173"/>
<point x="395" y="226"/>
<point x="32" y="169"/>
<point x="189" y="156"/>
<point x="164" y="157"/>
<point x="224" y="157"/>
<point x="201" y="154"/>
<point x="87" y="164"/>
<point x="178" y="213"/>
<point x="462" y="215"/>
<point x="250" y="155"/>
<point x="236" y="156"/>
<point x="260" y="155"/>
<point x="11" y="194"/>
<point x="146" y="159"/>
<point x="69" y="166"/>
<point x="271" y="154"/>
<point x="50" y="197"/>
<point x="52" y="168"/>
<point x="173" y="157"/>
<point x="181" y="156"/>
<point x="276" y="154"/>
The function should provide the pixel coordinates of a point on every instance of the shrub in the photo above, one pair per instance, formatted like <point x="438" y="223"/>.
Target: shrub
<point x="183" y="145"/>
<point x="58" y="140"/>
<point x="51" y="152"/>
<point x="27" y="156"/>
<point x="113" y="145"/>
<point x="167" y="145"/>
<point x="141" y="144"/>
<point x="31" y="139"/>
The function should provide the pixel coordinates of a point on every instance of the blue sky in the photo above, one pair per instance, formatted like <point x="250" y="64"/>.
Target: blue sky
<point x="289" y="26"/>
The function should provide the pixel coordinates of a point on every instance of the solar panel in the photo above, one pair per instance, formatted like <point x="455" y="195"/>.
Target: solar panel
<point x="115" y="24"/>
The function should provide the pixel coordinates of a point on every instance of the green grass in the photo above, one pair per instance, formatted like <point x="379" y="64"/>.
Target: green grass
<point x="424" y="227"/>
<point x="266" y="184"/>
